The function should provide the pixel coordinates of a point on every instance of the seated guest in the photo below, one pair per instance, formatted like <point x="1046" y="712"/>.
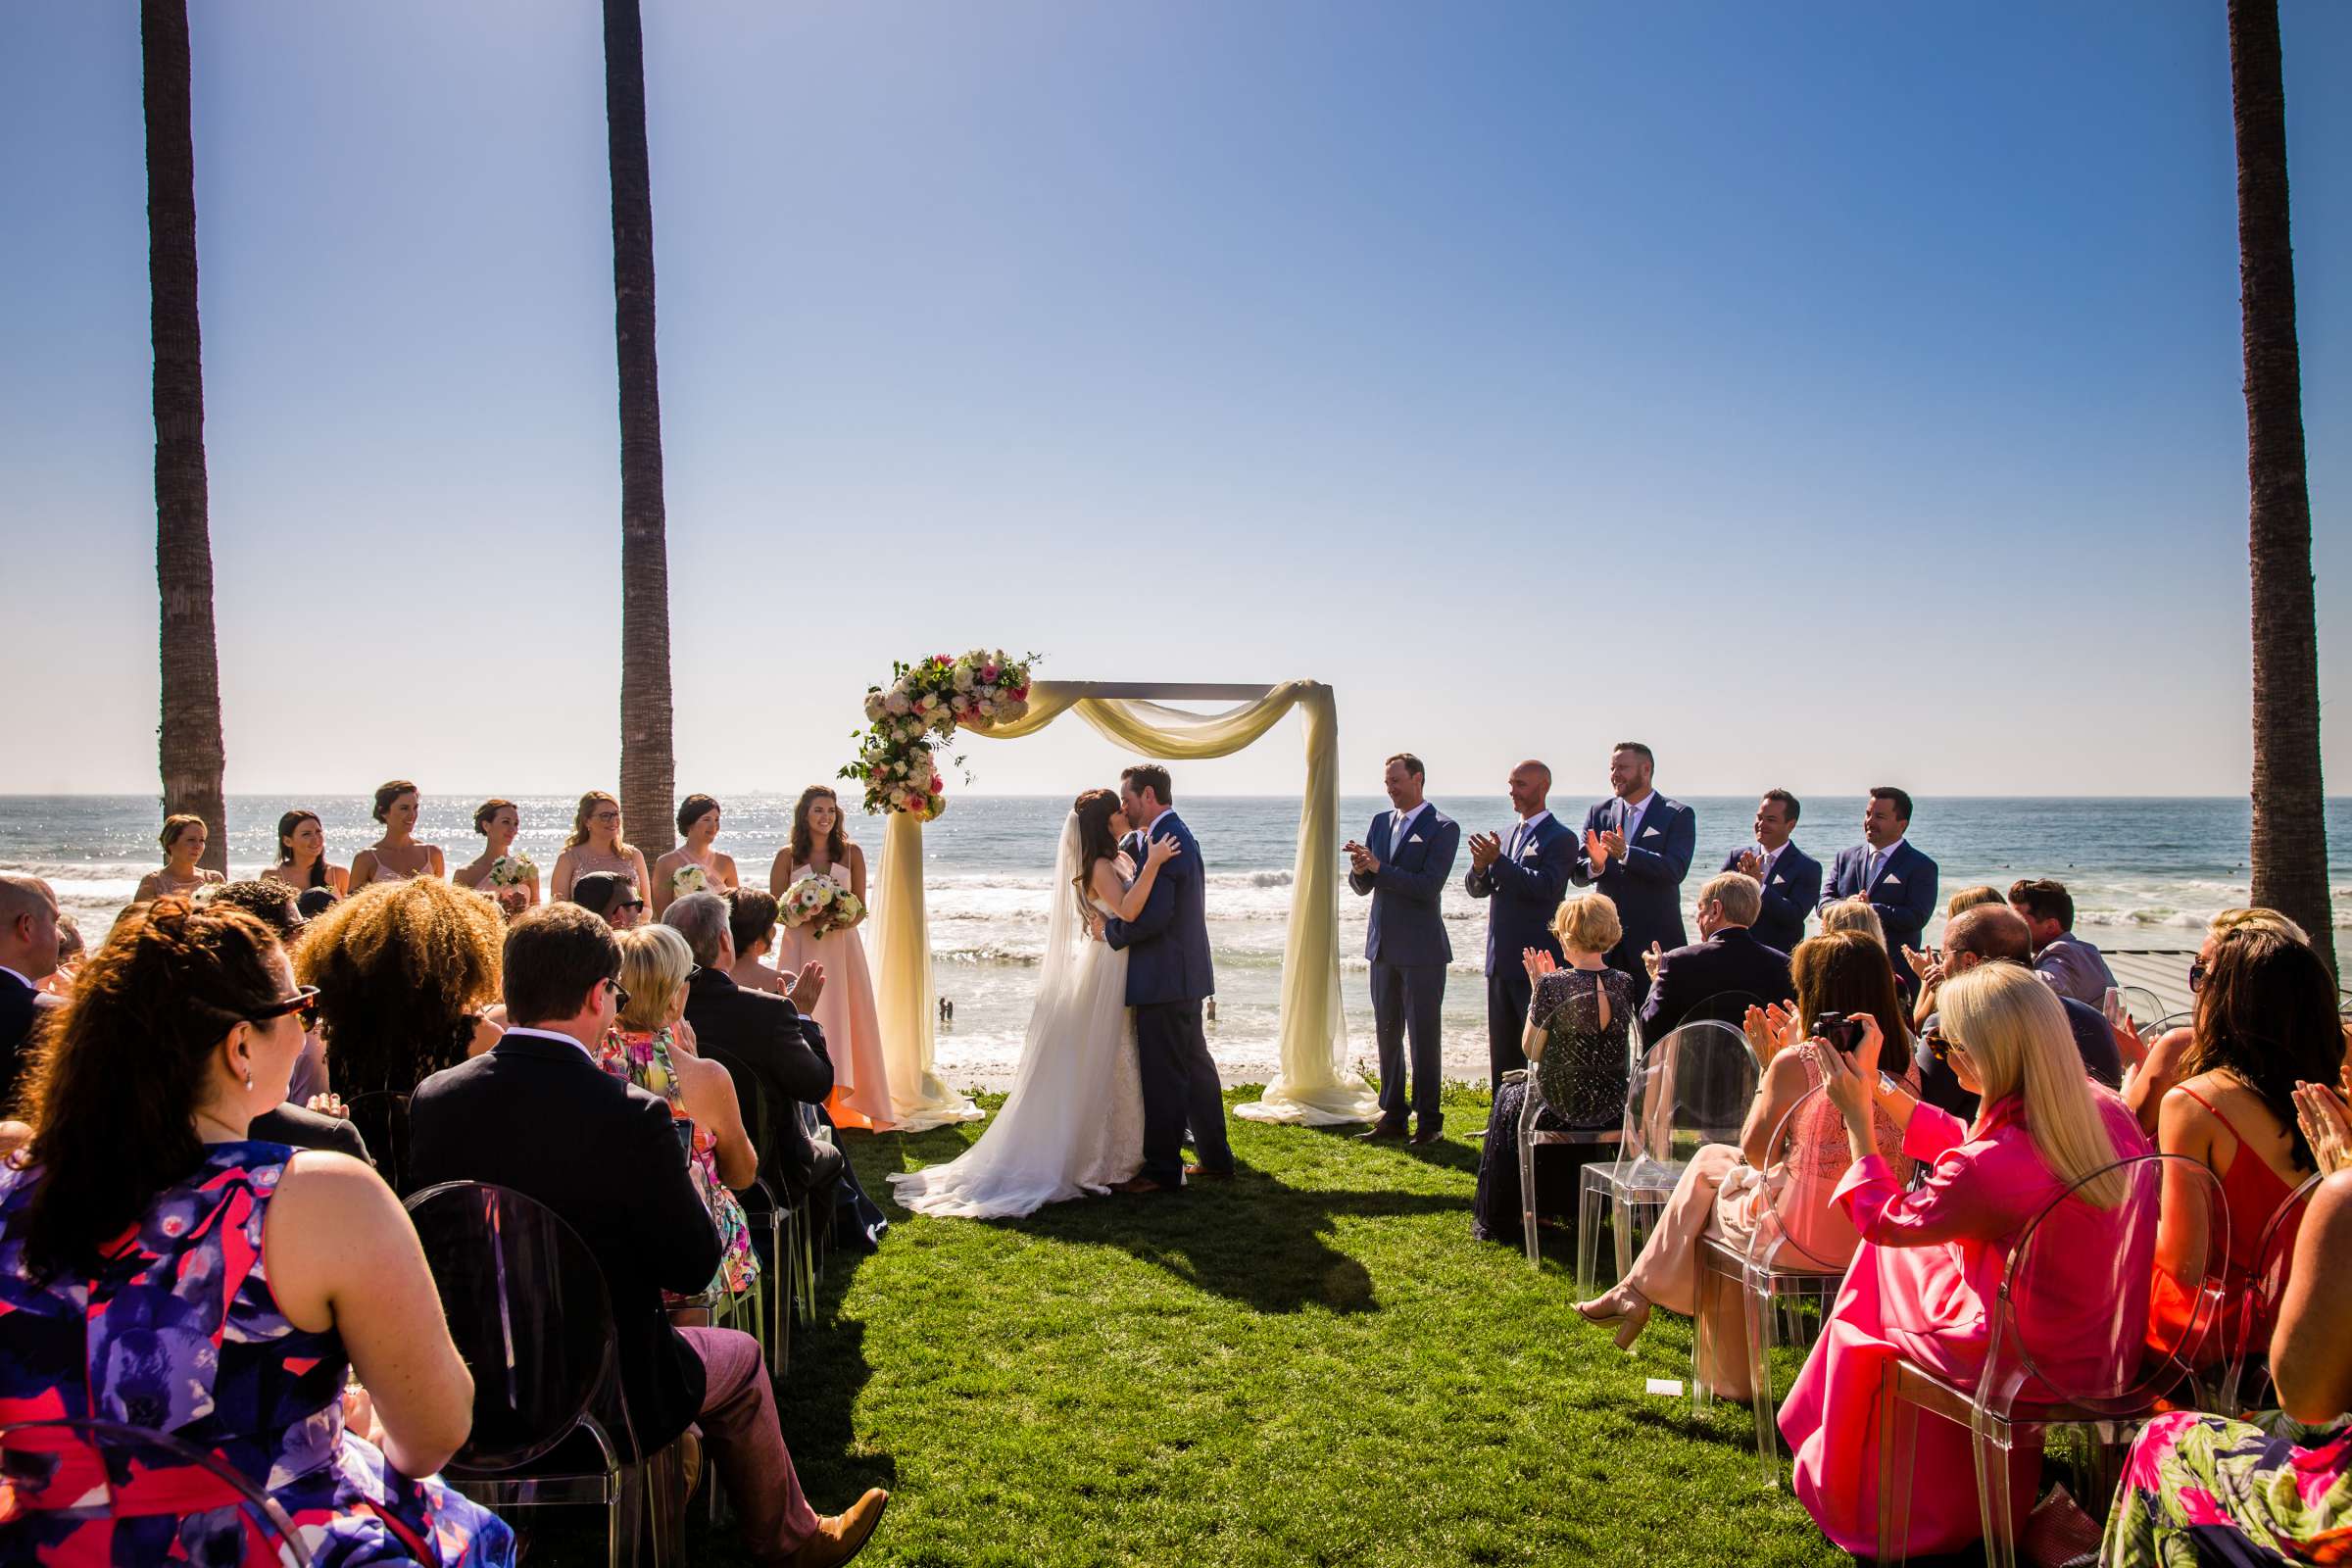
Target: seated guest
<point x="1886" y="872"/>
<point x="768" y="1033"/>
<point x="1522" y="873"/>
<point x="183" y="839"/>
<point x="1995" y="933"/>
<point x="611" y="897"/>
<point x="1790" y="877"/>
<point x="311" y="903"/>
<point x="27" y="956"/>
<point x="1722" y="975"/>
<point x="536" y="1113"/>
<point x="651" y="1046"/>
<point x="2266" y="1021"/>
<point x="2073" y="966"/>
<point x="69" y="951"/>
<point x="2201" y="1488"/>
<point x="166" y="1269"/>
<point x="1730" y="1191"/>
<point x="302" y="861"/>
<point x="1577" y="1043"/>
<point x="1924" y="962"/>
<point x="1934" y="1295"/>
<point x="1636" y="850"/>
<point x="404" y="971"/>
<point x="752" y="923"/>
<point x="272" y="904"/>
<point x="1853" y="915"/>
<point x="2162" y="1062"/>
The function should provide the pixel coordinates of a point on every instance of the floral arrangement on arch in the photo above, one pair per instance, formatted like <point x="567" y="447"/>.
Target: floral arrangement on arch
<point x="918" y="712"/>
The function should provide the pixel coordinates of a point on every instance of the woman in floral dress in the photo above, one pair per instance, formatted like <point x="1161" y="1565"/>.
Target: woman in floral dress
<point x="652" y="1046"/>
<point x="159" y="1269"/>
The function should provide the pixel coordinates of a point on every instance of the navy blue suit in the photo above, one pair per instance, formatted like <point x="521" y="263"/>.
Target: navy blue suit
<point x="1903" y="895"/>
<point x="1647" y="885"/>
<point x="1789" y="896"/>
<point x="1410" y="950"/>
<point x="1718" y="978"/>
<point x="1524" y="891"/>
<point x="1168" y="976"/>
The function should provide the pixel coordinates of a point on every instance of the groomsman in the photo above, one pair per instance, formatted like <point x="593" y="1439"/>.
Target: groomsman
<point x="1896" y="880"/>
<point x="1524" y="874"/>
<point x="1404" y="862"/>
<point x="1637" y="848"/>
<point x="1790" y="877"/>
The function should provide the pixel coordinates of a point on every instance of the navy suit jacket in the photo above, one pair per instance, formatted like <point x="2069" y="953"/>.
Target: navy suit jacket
<point x="1406" y="927"/>
<point x="1904" y="896"/>
<point x="1167" y="944"/>
<point x="1718" y="978"/>
<point x="1788" y="898"/>
<point x="1524" y="894"/>
<point x="1647" y="885"/>
<point x="18" y="1009"/>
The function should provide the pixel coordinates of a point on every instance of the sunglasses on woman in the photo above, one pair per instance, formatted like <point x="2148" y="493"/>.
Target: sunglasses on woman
<point x="1943" y="1044"/>
<point x="2196" y="975"/>
<point x="303" y="1003"/>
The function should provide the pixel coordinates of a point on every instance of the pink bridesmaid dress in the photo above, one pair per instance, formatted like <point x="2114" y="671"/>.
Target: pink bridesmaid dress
<point x="1924" y="1284"/>
<point x="844" y="1011"/>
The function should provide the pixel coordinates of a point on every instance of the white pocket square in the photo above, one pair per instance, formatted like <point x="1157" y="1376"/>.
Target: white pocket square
<point x="1415" y="839"/>
<point x="1778" y="880"/>
<point x="1649" y="832"/>
<point x="1890" y="882"/>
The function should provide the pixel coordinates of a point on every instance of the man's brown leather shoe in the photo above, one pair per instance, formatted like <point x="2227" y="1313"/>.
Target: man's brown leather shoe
<point x="1139" y="1184"/>
<point x="1202" y="1173"/>
<point x="844" y="1536"/>
<point x="1425" y="1136"/>
<point x="1380" y="1132"/>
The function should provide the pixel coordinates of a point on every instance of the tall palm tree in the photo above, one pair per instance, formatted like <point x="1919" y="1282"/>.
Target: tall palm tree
<point x="2290" y="826"/>
<point x="188" y="740"/>
<point x="647" y="768"/>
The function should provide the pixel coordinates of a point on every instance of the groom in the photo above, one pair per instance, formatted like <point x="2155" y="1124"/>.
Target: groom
<point x="1168" y="975"/>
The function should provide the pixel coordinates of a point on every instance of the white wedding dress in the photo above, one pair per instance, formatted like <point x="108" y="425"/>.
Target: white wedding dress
<point x="1074" y="1123"/>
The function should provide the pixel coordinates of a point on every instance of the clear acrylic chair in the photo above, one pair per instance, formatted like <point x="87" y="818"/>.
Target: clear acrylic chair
<point x="2069" y="1345"/>
<point x="64" y="1475"/>
<point x="2246" y="1381"/>
<point x="1532" y="1136"/>
<point x="2140" y="1005"/>
<point x="1693" y="1087"/>
<point x="2149" y="1034"/>
<point x="528" y="1310"/>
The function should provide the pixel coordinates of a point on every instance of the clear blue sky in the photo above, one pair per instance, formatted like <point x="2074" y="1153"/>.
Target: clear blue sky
<point x="1827" y="394"/>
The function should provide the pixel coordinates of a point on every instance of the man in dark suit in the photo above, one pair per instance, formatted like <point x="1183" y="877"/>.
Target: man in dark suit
<point x="1168" y="976"/>
<point x="1523" y="876"/>
<point x="1726" y="971"/>
<point x="1403" y="864"/>
<point x="537" y="1114"/>
<point x="1790" y="877"/>
<point x="1993" y="934"/>
<point x="27" y="956"/>
<point x="777" y="1040"/>
<point x="1893" y="877"/>
<point x="1635" y="848"/>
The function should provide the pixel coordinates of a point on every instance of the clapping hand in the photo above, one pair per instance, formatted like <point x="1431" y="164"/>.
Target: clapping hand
<point x="1360" y="858"/>
<point x="807" y="986"/>
<point x="1538" y="960"/>
<point x="1923" y="965"/>
<point x="1770" y="1030"/>
<point x="1749" y="863"/>
<point x="2321" y="1112"/>
<point x="328" y="1105"/>
<point x="1652" y="958"/>
<point x="1484" y="849"/>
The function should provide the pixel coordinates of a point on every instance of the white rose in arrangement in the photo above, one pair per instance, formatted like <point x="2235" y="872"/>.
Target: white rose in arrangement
<point x="874" y="707"/>
<point x="511" y="870"/>
<point x="1016" y="708"/>
<point x="897" y="703"/>
<point x="963" y="677"/>
<point x="988" y="708"/>
<point x="688" y="879"/>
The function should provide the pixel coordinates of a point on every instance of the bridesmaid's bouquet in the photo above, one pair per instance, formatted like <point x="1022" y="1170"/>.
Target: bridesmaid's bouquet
<point x="688" y="879"/>
<point x="820" y="907"/>
<point x="511" y="872"/>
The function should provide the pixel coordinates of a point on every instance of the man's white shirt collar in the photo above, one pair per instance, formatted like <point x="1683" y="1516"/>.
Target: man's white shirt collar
<point x="1165" y="812"/>
<point x="543" y="1033"/>
<point x="1405" y="822"/>
<point x="20" y="979"/>
<point x="1871" y="857"/>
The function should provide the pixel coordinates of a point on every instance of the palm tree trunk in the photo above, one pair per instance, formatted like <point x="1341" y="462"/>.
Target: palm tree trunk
<point x="2290" y="826"/>
<point x="647" y="766"/>
<point x="188" y="739"/>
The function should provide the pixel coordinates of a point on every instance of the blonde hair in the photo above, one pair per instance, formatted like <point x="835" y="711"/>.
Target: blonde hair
<point x="655" y="961"/>
<point x="2014" y="1029"/>
<point x="579" y="823"/>
<point x="1853" y="915"/>
<point x="2258" y="919"/>
<point x="1974" y="897"/>
<point x="173" y="827"/>
<point x="1587" y="922"/>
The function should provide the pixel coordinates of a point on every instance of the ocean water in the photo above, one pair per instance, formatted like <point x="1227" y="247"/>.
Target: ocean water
<point x="2144" y="873"/>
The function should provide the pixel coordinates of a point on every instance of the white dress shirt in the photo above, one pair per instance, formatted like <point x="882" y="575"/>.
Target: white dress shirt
<point x="1524" y="831"/>
<point x="1630" y="815"/>
<point x="1876" y="862"/>
<point x="1400" y="823"/>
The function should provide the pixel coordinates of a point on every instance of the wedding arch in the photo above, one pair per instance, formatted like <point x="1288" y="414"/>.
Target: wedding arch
<point x="992" y="696"/>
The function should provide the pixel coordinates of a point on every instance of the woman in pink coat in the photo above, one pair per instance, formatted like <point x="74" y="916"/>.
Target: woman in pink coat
<point x="1926" y="1279"/>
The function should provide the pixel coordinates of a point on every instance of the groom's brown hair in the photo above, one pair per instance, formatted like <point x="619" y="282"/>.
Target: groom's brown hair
<point x="1148" y="776"/>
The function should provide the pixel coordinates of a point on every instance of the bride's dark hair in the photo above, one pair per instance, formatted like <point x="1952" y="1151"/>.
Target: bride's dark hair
<point x="1096" y="841"/>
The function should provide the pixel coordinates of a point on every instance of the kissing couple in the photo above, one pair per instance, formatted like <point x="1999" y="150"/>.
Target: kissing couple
<point x="1115" y="1066"/>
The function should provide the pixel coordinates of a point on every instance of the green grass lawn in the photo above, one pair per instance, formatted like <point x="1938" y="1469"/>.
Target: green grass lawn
<point x="1312" y="1364"/>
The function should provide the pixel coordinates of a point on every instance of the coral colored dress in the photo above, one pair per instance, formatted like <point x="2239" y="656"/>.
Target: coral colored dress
<point x="1924" y="1285"/>
<point x="182" y="1333"/>
<point x="2251" y="1194"/>
<point x="844" y="1011"/>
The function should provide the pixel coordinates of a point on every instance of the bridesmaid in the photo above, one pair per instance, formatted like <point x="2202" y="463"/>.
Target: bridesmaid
<point x="397" y="857"/>
<point x="846" y="1008"/>
<point x="697" y="825"/>
<point x="498" y="821"/>
<point x="183" y="839"/>
<point x="596" y="844"/>
<point x="302" y="856"/>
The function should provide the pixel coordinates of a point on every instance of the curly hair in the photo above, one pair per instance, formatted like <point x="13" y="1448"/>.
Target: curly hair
<point x="402" y="968"/>
<point x="113" y="1084"/>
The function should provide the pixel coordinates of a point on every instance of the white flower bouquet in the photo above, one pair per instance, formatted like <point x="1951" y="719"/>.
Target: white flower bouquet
<point x="689" y="878"/>
<point x="511" y="872"/>
<point x="821" y="906"/>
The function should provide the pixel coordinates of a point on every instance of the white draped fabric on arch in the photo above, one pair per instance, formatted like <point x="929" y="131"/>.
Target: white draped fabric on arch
<point x="1314" y="1085"/>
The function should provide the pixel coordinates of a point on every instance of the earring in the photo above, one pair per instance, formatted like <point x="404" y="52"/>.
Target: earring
<point x="249" y="1077"/>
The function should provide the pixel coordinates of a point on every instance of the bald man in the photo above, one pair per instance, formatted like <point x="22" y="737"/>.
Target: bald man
<point x="1994" y="933"/>
<point x="1523" y="874"/>
<point x="27" y="956"/>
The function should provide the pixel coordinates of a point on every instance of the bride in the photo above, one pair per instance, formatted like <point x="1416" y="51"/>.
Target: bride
<point x="1074" y="1122"/>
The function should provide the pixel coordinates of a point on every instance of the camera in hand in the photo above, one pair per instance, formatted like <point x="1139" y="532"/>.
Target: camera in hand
<point x="1839" y="1030"/>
